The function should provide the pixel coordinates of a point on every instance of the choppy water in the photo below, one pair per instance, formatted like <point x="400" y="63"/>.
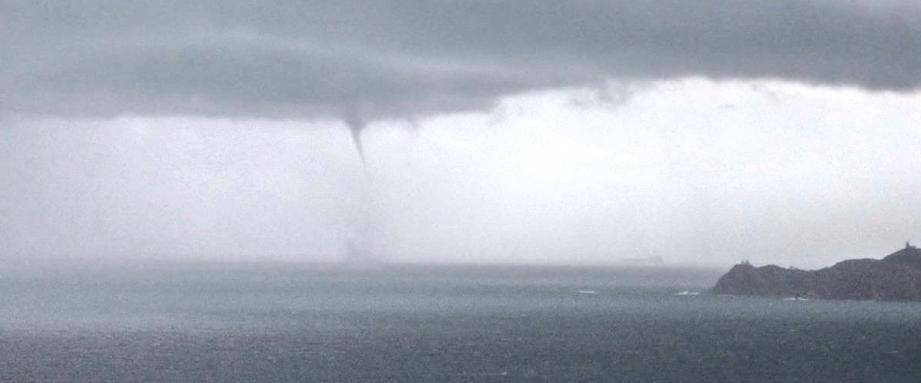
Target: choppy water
<point x="243" y="323"/>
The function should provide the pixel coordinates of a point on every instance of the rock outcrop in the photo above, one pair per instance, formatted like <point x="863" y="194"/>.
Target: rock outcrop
<point x="895" y="277"/>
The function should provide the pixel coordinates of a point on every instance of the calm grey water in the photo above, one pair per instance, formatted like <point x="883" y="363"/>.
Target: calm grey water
<point x="301" y="323"/>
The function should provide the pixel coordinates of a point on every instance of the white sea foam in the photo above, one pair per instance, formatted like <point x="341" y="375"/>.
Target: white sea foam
<point x="798" y="299"/>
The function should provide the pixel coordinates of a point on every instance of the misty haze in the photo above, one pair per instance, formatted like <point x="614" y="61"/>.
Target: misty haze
<point x="427" y="191"/>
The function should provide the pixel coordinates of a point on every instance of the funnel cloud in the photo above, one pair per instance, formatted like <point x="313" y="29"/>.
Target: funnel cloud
<point x="356" y="126"/>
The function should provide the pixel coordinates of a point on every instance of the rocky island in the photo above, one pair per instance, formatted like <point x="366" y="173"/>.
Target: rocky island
<point x="897" y="277"/>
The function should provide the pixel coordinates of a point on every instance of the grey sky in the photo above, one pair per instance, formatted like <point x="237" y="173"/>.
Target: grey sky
<point x="406" y="57"/>
<point x="498" y="131"/>
<point x="694" y="171"/>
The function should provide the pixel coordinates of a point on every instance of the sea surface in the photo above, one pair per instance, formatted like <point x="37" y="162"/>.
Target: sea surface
<point x="406" y="323"/>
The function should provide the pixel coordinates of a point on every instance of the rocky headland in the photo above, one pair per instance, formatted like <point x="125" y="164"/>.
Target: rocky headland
<point x="897" y="277"/>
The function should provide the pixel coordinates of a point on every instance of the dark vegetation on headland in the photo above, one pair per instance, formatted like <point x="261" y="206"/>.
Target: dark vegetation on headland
<point x="897" y="277"/>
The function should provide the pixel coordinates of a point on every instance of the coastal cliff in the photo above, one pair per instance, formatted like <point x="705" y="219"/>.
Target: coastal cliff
<point x="895" y="277"/>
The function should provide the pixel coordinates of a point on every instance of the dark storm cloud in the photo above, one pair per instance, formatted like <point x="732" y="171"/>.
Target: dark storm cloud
<point x="404" y="57"/>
